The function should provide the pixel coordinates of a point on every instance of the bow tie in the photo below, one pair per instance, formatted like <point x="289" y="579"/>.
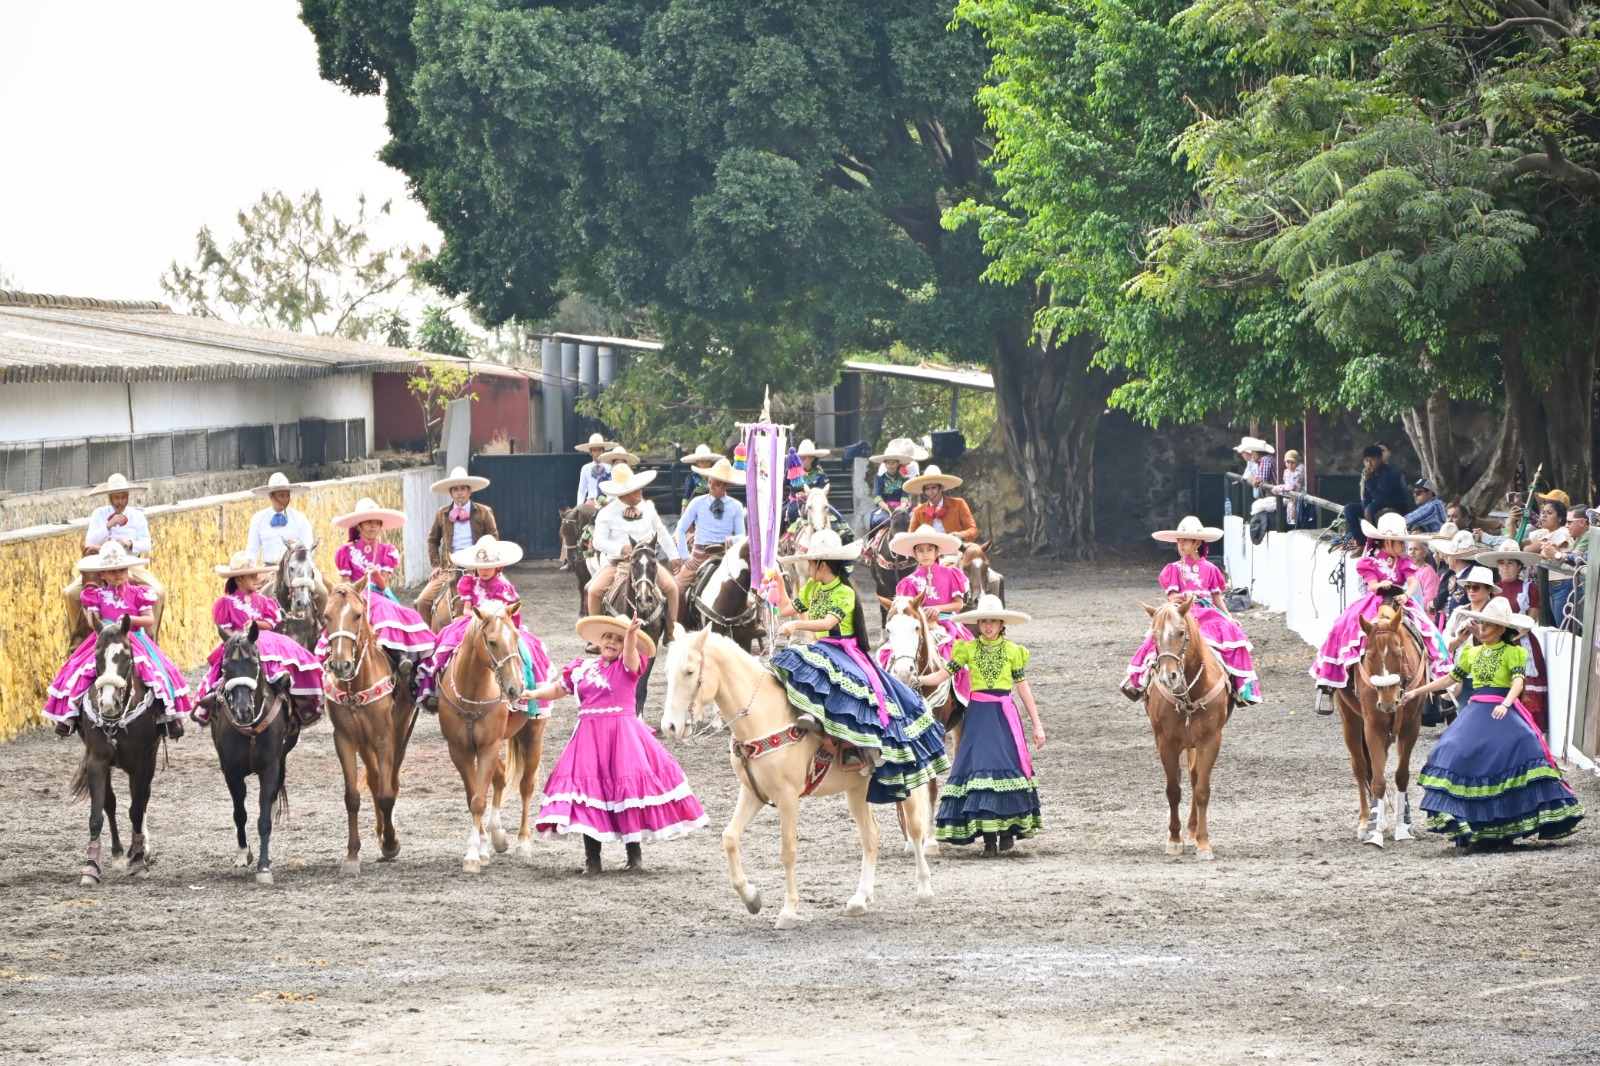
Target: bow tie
<point x="716" y="507"/>
<point x="934" y="511"/>
<point x="279" y="520"/>
<point x="460" y="514"/>
<point x="630" y="514"/>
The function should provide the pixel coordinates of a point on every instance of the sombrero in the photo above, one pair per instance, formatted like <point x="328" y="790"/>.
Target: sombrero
<point x="701" y="454"/>
<point x="826" y="546"/>
<point x="1498" y="612"/>
<point x="111" y="556"/>
<point x="932" y="477"/>
<point x="597" y="440"/>
<point x="458" y="476"/>
<point x="117" y="483"/>
<point x="279" y="483"/>
<point x="242" y="563"/>
<point x="624" y="480"/>
<point x="723" y="471"/>
<point x="808" y="448"/>
<point x="989" y="606"/>
<point x="1525" y="558"/>
<point x="1253" y="444"/>
<point x="1462" y="542"/>
<point x="903" y="543"/>
<point x="1391" y="526"/>
<point x="901" y="450"/>
<point x="1189" y="529"/>
<point x="487" y="552"/>
<point x="619" y="455"/>
<point x="365" y="511"/>
<point x="1477" y="574"/>
<point x="591" y="627"/>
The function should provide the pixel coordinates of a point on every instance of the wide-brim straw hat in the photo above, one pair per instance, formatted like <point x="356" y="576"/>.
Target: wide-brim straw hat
<point x="111" y="556"/>
<point x="827" y="547"/>
<point x="591" y="627"/>
<point x="241" y="564"/>
<point x="597" y="440"/>
<point x="488" y="551"/>
<point x="458" y="476"/>
<point x="932" y="476"/>
<point x="117" y="483"/>
<point x="619" y="455"/>
<point x="702" y="454"/>
<point x="366" y="510"/>
<point x="1461" y="543"/>
<point x="990" y="607"/>
<point x="808" y="447"/>
<point x="1525" y="558"/>
<point x="624" y="480"/>
<point x="279" y="483"/>
<point x="724" y="472"/>
<point x="1254" y="444"/>
<point x="901" y="450"/>
<point x="1189" y="529"/>
<point x="903" y="543"/>
<point x="1391" y="526"/>
<point x="1478" y="574"/>
<point x="1498" y="612"/>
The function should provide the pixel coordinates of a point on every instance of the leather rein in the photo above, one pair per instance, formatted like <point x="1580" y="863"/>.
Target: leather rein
<point x="1185" y="702"/>
<point x="470" y="709"/>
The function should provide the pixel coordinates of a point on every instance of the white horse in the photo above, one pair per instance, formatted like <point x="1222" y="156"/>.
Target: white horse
<point x="815" y="516"/>
<point x="777" y="763"/>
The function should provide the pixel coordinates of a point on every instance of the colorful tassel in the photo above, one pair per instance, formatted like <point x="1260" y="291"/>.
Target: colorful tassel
<point x="739" y="455"/>
<point x="792" y="468"/>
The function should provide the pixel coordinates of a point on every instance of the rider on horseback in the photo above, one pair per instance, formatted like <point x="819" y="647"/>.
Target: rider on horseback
<point x="456" y="527"/>
<point x="943" y="588"/>
<point x="698" y="481"/>
<point x="273" y="528"/>
<point x="715" y="518"/>
<point x="369" y="563"/>
<point x="281" y="658"/>
<point x="627" y="520"/>
<point x="889" y="490"/>
<point x="811" y="477"/>
<point x="946" y="514"/>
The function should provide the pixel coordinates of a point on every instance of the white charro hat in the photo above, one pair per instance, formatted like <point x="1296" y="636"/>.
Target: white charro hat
<point x="487" y="552"/>
<point x="458" y="476"/>
<point x="807" y="447"/>
<point x="1253" y="444"/>
<point x="111" y="556"/>
<point x="619" y="454"/>
<point x="901" y="450"/>
<point x="591" y="627"/>
<point x="1477" y="574"/>
<point x="1526" y="559"/>
<point x="597" y="440"/>
<point x="1391" y="526"/>
<point x="367" y="510"/>
<point x="279" y="483"/>
<point x="933" y="476"/>
<point x="243" y="563"/>
<point x="1461" y="542"/>
<point x="624" y="480"/>
<point x="724" y="472"/>
<point x="1189" y="529"/>
<point x="1498" y="612"/>
<point x="989" y="606"/>
<point x="117" y="483"/>
<point x="702" y="454"/>
<point x="826" y="546"/>
<point x="903" y="543"/>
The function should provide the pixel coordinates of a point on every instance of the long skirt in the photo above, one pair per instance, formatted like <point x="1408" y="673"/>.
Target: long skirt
<point x="155" y="670"/>
<point x="535" y="664"/>
<point x="857" y="703"/>
<point x="1492" y="780"/>
<point x="991" y="787"/>
<point x="1345" y="642"/>
<point x="945" y="633"/>
<point x="396" y="626"/>
<point x="280" y="658"/>
<point x="615" y="781"/>
<point x="1225" y="636"/>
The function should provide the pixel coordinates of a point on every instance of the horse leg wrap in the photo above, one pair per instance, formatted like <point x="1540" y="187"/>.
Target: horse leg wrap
<point x="91" y="864"/>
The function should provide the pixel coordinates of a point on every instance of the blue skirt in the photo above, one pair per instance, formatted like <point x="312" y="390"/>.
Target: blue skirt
<point x="988" y="791"/>
<point x="1489" y="780"/>
<point x="824" y="680"/>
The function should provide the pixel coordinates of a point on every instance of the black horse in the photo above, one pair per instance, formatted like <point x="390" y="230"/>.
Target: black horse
<point x="887" y="567"/>
<point x="638" y="596"/>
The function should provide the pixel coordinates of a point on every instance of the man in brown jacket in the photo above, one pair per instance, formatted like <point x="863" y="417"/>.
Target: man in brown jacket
<point x="947" y="514"/>
<point x="454" y="527"/>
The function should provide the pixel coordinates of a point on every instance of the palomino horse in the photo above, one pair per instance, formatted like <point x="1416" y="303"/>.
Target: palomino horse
<point x="982" y="579"/>
<point x="372" y="717"/>
<point x="777" y="762"/>
<point x="483" y="681"/>
<point x="815" y="516"/>
<point x="722" y="599"/>
<point x="912" y="647"/>
<point x="1374" y="718"/>
<point x="635" y="594"/>
<point x="253" y="734"/>
<point x="302" y="594"/>
<point x="888" y="567"/>
<point x="1188" y="702"/>
<point x="119" y="720"/>
<point x="446" y="607"/>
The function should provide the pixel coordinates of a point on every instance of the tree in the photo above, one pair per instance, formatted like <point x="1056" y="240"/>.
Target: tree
<point x="295" y="266"/>
<point x="440" y="335"/>
<point x="767" y="179"/>
<point x="437" y="383"/>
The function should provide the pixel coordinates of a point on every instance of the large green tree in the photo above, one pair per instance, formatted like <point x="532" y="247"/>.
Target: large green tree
<point x="768" y="179"/>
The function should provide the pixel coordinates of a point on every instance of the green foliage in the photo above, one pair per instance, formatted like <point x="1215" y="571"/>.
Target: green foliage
<point x="436" y="384"/>
<point x="441" y="336"/>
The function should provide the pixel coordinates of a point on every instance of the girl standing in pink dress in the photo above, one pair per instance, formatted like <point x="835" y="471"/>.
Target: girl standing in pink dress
<point x="367" y="562"/>
<point x="614" y="781"/>
<point x="1195" y="575"/>
<point x="282" y="660"/>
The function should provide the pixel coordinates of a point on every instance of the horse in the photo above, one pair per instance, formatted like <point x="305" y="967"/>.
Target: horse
<point x="888" y="568"/>
<point x="573" y="521"/>
<point x="372" y="717"/>
<point x="445" y="608"/>
<point x="815" y="516"/>
<point x="982" y="579"/>
<point x="638" y="596"/>
<point x="912" y="646"/>
<point x="1186" y="726"/>
<point x="301" y="593"/>
<point x="119" y="722"/>
<point x="483" y="681"/>
<point x="721" y="596"/>
<point x="1374" y="716"/>
<point x="777" y="763"/>
<point x="253" y="735"/>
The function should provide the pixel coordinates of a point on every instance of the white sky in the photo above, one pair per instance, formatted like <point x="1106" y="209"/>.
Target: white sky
<point x="128" y="126"/>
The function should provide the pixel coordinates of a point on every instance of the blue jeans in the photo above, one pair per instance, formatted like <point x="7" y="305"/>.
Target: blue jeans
<point x="1560" y="595"/>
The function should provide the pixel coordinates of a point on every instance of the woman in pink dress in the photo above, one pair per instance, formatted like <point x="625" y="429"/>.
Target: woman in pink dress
<point x="943" y="589"/>
<point x="1195" y="575"/>
<point x="113" y="600"/>
<point x="281" y="658"/>
<point x="485" y="582"/>
<point x="614" y="781"/>
<point x="367" y="562"/>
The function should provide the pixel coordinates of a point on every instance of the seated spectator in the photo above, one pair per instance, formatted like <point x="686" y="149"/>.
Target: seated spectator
<point x="1429" y="515"/>
<point x="1381" y="491"/>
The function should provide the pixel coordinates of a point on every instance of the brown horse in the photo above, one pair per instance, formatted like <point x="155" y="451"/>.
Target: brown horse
<point x="1374" y="717"/>
<point x="1188" y="701"/>
<point x="372" y="716"/>
<point x="573" y="521"/>
<point x="912" y="646"/>
<point x="447" y="606"/>
<point x="721" y="597"/>
<point x="476" y="697"/>
<point x="982" y="579"/>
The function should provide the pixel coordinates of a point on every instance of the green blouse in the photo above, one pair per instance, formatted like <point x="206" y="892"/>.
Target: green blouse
<point x="990" y="664"/>
<point x="834" y="600"/>
<point x="1491" y="666"/>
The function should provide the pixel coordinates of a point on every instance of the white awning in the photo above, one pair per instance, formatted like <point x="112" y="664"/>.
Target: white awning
<point x="609" y="342"/>
<point x="943" y="375"/>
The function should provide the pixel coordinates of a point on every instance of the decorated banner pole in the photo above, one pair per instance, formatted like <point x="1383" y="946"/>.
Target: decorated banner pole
<point x="761" y="455"/>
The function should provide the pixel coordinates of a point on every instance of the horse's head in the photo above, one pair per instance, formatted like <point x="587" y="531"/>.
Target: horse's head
<point x="494" y="623"/>
<point x="906" y="632"/>
<point x="816" y="508"/>
<point x="692" y="681"/>
<point x="571" y="528"/>
<point x="348" y="631"/>
<point x="974" y="563"/>
<point x="116" y="678"/>
<point x="297" y="574"/>
<point x="1176" y="637"/>
<point x="1383" y="661"/>
<point x="242" y="678"/>
<point x="642" y="566"/>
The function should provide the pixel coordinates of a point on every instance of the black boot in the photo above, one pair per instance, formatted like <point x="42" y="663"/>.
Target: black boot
<point x="64" y="729"/>
<point x="1007" y="839"/>
<point x="635" y="858"/>
<point x="591" y="855"/>
<point x="173" y="728"/>
<point x="989" y="849"/>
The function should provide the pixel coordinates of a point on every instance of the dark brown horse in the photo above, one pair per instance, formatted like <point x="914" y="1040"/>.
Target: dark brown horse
<point x="888" y="567"/>
<point x="302" y="595"/>
<point x="573" y="522"/>
<point x="635" y="594"/>
<point x="1375" y="717"/>
<point x="721" y="597"/>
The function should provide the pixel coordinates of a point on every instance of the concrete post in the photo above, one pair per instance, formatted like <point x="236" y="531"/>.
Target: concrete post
<point x="608" y="367"/>
<point x="824" y="426"/>
<point x="550" y="396"/>
<point x="589" y="371"/>
<point x="569" y="395"/>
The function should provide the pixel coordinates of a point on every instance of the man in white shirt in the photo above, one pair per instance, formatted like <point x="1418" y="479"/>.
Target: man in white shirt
<point x="627" y="520"/>
<point x="272" y="528"/>
<point x="597" y="470"/>
<point x="117" y="521"/>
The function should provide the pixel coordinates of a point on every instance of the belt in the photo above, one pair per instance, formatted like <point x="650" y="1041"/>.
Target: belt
<point x="604" y="710"/>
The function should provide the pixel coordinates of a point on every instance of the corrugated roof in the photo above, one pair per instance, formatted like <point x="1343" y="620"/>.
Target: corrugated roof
<point x="944" y="375"/>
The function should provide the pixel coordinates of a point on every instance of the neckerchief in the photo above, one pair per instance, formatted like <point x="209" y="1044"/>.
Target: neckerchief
<point x="461" y="514"/>
<point x="631" y="514"/>
<point x="935" y="511"/>
<point x="279" y="520"/>
<point x="717" y="507"/>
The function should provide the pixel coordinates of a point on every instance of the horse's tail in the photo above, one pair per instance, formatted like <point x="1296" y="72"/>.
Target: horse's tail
<point x="81" y="780"/>
<point x="283" y="802"/>
<point x="519" y="752"/>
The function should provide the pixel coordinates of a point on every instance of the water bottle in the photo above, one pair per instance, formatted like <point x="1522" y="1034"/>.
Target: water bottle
<point x="1227" y="504"/>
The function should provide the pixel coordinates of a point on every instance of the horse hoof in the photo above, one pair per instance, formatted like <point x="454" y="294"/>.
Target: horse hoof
<point x="244" y="860"/>
<point x="119" y="863"/>
<point x="502" y="843"/>
<point x="855" y="908"/>
<point x="1204" y="856"/>
<point x="471" y="866"/>
<point x="524" y="852"/>
<point x="264" y="877"/>
<point x="138" y="869"/>
<point x="389" y="853"/>
<point x="931" y="848"/>
<point x="89" y="879"/>
<point x="350" y="868"/>
<point x="787" y="920"/>
<point x="1174" y="849"/>
<point x="910" y="848"/>
<point x="925" y="897"/>
<point x="752" y="903"/>
<point x="1402" y="832"/>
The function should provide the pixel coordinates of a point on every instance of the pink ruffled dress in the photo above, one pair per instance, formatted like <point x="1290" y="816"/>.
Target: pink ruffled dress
<point x="1226" y="637"/>
<point x="280" y="657"/>
<point x="1345" y="641"/>
<point x="475" y="591"/>
<point x="157" y="671"/>
<point x="397" y="626"/>
<point x="937" y="584"/>
<point x="614" y="781"/>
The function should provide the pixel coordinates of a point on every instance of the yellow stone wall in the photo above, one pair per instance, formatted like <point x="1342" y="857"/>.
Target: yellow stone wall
<point x="189" y="540"/>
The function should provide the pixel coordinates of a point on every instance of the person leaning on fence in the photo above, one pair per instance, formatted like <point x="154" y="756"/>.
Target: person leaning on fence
<point x="1429" y="515"/>
<point x="1563" y="599"/>
<point x="456" y="527"/>
<point x="1260" y="468"/>
<point x="1302" y="513"/>
<point x="1382" y="490"/>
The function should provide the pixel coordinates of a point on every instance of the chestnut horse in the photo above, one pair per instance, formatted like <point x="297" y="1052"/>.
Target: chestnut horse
<point x="910" y="639"/>
<point x="982" y="579"/>
<point x="788" y="765"/>
<point x="372" y="716"/>
<point x="477" y="695"/>
<point x="1188" y="701"/>
<point x="1374" y="717"/>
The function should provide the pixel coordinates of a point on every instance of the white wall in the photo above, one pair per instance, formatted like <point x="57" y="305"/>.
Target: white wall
<point x="43" y="410"/>
<point x="420" y="507"/>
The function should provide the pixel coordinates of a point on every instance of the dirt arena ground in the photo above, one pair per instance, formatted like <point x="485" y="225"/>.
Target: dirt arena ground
<point x="1086" y="945"/>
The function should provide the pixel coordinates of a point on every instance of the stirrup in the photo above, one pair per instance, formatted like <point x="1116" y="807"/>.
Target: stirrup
<point x="1324" y="704"/>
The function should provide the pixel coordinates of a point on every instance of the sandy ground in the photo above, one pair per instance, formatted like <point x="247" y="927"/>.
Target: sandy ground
<point x="1086" y="945"/>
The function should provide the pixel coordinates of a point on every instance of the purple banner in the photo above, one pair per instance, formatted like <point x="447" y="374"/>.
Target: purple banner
<point x="765" y="446"/>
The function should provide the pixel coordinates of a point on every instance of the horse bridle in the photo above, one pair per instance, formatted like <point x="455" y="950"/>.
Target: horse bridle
<point x="1184" y="701"/>
<point x="357" y="645"/>
<point x="462" y="704"/>
<point x="125" y="705"/>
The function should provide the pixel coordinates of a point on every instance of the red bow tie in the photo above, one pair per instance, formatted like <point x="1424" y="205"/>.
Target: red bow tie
<point x="460" y="514"/>
<point x="934" y="511"/>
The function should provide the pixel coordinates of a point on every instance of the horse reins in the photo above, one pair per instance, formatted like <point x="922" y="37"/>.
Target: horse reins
<point x="264" y="718"/>
<point x="1183" y="702"/>
<point x="451" y="692"/>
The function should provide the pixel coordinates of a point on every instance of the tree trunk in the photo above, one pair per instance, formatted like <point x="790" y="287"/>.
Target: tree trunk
<point x="1556" y="419"/>
<point x="1433" y="435"/>
<point x="1049" y="400"/>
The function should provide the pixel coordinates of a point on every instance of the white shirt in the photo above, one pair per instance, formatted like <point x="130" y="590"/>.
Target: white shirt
<point x="612" y="531"/>
<point x="589" y="482"/>
<point x="136" y="530"/>
<point x="461" y="535"/>
<point x="268" y="542"/>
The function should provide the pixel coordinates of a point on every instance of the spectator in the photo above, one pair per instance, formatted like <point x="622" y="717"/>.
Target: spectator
<point x="1458" y="553"/>
<point x="1520" y="589"/>
<point x="1430" y="514"/>
<point x="1480" y="586"/>
<point x="1381" y="491"/>
<point x="1427" y="576"/>
<point x="1574" y="554"/>
<point x="1550" y="525"/>
<point x="1302" y="513"/>
<point x="1260" y="468"/>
